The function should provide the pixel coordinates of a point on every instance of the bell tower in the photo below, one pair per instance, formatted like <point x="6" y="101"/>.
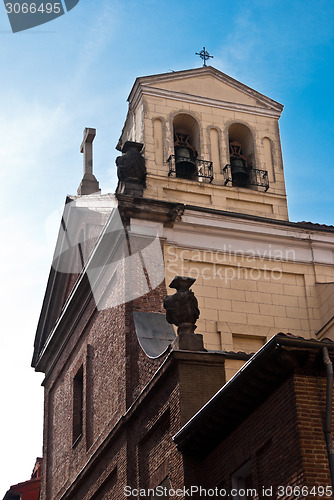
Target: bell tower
<point x="208" y="141"/>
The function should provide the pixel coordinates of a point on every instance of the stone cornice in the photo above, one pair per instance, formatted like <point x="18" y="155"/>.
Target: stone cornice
<point x="221" y="232"/>
<point x="309" y="226"/>
<point x="152" y="210"/>
<point x="145" y="86"/>
<point x="204" y="101"/>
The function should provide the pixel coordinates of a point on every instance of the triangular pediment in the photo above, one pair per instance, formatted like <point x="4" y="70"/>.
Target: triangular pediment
<point x="207" y="83"/>
<point x="82" y="222"/>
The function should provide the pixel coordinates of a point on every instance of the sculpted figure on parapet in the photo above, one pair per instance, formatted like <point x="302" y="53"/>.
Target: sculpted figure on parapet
<point x="182" y="307"/>
<point x="131" y="165"/>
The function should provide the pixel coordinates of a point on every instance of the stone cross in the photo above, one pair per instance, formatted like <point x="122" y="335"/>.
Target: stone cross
<point x="87" y="149"/>
<point x="89" y="184"/>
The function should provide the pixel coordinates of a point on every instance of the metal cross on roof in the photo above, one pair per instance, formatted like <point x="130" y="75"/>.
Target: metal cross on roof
<point x="204" y="54"/>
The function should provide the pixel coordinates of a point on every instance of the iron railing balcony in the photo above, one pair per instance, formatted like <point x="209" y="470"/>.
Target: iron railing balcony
<point x="204" y="169"/>
<point x="256" y="177"/>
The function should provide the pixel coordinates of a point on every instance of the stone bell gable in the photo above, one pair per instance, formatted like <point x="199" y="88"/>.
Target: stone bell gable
<point x="211" y="110"/>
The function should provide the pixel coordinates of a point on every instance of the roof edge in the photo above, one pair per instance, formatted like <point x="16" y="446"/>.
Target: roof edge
<point x="205" y="70"/>
<point x="279" y="340"/>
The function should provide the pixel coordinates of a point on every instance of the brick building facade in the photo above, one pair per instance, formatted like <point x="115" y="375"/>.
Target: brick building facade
<point x="128" y="403"/>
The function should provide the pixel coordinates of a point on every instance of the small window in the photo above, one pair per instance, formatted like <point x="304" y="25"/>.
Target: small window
<point x="77" y="405"/>
<point x="242" y="483"/>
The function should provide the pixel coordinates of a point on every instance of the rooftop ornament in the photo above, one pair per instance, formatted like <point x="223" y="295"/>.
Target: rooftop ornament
<point x="182" y="311"/>
<point x="131" y="170"/>
<point x="204" y="55"/>
<point x="89" y="183"/>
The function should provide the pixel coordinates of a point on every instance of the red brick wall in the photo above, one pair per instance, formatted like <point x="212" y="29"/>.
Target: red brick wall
<point x="283" y="439"/>
<point x="140" y="448"/>
<point x="115" y="372"/>
<point x="200" y="377"/>
<point x="311" y="406"/>
<point x="140" y="451"/>
<point x="268" y="438"/>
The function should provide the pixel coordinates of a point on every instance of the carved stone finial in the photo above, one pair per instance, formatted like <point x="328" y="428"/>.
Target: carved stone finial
<point x="182" y="311"/>
<point x="131" y="170"/>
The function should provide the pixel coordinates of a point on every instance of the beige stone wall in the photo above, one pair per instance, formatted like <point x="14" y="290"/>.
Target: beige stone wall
<point x="233" y="199"/>
<point x="244" y="301"/>
<point x="325" y="293"/>
<point x="231" y="367"/>
<point x="206" y="86"/>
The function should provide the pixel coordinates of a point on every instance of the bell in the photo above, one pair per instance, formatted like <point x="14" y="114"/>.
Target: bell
<point x="185" y="164"/>
<point x="239" y="172"/>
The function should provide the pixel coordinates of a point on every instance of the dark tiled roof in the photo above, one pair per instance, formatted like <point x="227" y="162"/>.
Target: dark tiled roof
<point x="250" y="386"/>
<point x="315" y="224"/>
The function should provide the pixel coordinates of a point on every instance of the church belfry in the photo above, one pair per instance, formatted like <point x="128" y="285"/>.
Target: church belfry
<point x="209" y="141"/>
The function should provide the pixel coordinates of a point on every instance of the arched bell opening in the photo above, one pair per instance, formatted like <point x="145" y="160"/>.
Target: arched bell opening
<point x="241" y="150"/>
<point x="186" y="146"/>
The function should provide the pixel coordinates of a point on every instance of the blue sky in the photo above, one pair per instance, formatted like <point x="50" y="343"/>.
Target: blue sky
<point x="77" y="71"/>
